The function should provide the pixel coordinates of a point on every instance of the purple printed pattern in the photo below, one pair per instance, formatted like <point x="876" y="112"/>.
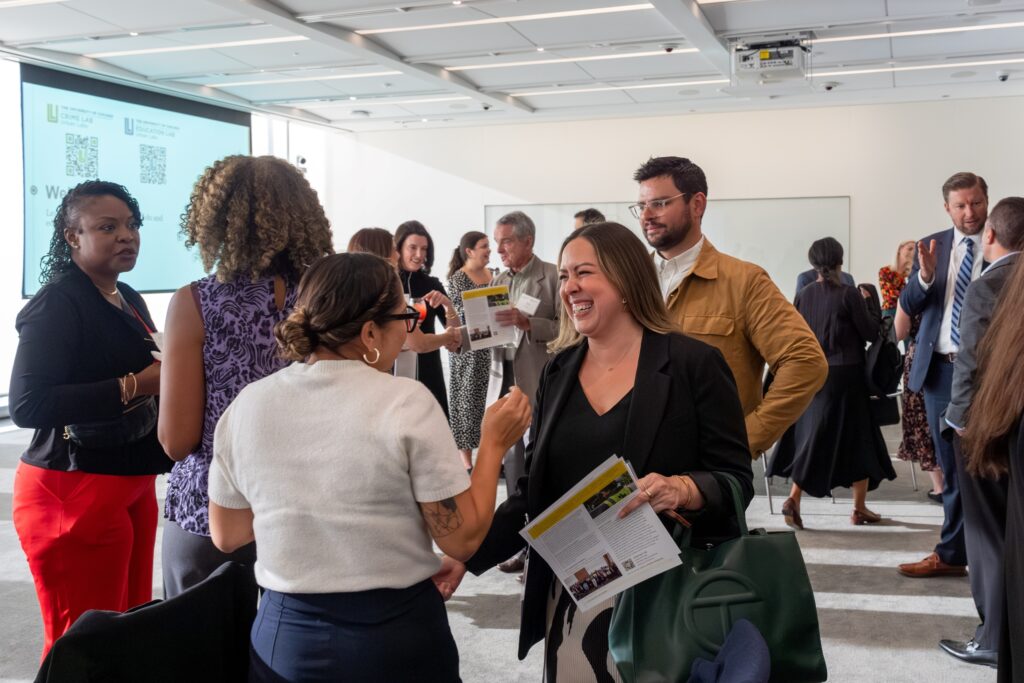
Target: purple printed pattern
<point x="239" y="348"/>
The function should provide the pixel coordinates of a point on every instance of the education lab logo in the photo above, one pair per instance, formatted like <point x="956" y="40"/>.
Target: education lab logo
<point x="53" y="113"/>
<point x="129" y="126"/>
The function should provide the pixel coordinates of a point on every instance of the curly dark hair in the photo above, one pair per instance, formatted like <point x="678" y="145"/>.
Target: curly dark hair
<point x="58" y="259"/>
<point x="255" y="216"/>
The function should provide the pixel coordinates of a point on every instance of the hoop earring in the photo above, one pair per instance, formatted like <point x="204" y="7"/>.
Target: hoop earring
<point x="375" y="358"/>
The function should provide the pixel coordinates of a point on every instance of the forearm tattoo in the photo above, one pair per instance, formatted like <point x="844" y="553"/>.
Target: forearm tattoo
<point x="443" y="517"/>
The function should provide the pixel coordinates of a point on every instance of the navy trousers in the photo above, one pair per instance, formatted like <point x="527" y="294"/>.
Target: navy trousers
<point x="384" y="635"/>
<point x="937" y="389"/>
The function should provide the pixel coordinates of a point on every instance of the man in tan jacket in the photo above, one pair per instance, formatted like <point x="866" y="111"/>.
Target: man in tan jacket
<point x="730" y="304"/>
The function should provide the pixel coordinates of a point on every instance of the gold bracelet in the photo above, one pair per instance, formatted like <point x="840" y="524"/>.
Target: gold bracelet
<point x="135" y="386"/>
<point x="120" y="384"/>
<point x="686" y="487"/>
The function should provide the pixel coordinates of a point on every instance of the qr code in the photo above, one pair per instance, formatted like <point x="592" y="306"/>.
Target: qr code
<point x="81" y="155"/>
<point x="152" y="165"/>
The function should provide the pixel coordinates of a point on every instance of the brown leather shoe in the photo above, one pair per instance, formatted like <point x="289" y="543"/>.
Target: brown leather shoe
<point x="513" y="565"/>
<point x="865" y="516"/>
<point x="931" y="566"/>
<point x="791" y="513"/>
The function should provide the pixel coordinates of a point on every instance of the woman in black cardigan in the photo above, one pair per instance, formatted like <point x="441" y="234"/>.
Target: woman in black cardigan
<point x="85" y="358"/>
<point x="623" y="383"/>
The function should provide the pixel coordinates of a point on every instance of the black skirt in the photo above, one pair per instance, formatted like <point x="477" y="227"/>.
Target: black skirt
<point x="837" y="441"/>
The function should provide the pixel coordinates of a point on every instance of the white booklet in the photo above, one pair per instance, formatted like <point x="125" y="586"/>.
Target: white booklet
<point x="593" y="553"/>
<point x="479" y="307"/>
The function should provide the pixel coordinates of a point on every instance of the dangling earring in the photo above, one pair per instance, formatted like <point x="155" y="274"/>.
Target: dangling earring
<point x="375" y="358"/>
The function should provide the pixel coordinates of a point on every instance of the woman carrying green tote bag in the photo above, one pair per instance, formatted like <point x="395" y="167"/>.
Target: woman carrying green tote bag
<point x="660" y="626"/>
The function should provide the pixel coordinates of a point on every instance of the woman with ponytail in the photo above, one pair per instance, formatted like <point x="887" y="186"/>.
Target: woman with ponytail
<point x="467" y="386"/>
<point x="345" y="475"/>
<point x="836" y="442"/>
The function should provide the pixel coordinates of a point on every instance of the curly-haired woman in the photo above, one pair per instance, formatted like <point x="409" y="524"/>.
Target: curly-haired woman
<point x="84" y="378"/>
<point x="258" y="225"/>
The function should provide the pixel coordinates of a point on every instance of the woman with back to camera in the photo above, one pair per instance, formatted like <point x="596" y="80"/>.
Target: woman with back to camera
<point x="836" y="442"/>
<point x="994" y="447"/>
<point x="84" y="377"/>
<point x="377" y="241"/>
<point x="344" y="474"/>
<point x="415" y="259"/>
<point x="258" y="225"/>
<point x="626" y="383"/>
<point x="469" y="370"/>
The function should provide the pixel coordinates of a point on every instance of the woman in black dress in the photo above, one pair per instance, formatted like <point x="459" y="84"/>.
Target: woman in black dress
<point x="994" y="445"/>
<point x="623" y="382"/>
<point x="415" y="258"/>
<point x="836" y="442"/>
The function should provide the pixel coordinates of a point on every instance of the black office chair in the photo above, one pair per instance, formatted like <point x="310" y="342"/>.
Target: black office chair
<point x="200" y="635"/>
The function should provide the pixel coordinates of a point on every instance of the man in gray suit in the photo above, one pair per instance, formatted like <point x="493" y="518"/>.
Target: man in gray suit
<point x="983" y="500"/>
<point x="521" y="365"/>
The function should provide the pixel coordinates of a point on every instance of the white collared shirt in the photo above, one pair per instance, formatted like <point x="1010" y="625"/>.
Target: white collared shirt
<point x="672" y="272"/>
<point x="944" y="342"/>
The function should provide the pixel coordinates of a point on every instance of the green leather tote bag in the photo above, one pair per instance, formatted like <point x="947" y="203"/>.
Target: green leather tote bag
<point x="661" y="625"/>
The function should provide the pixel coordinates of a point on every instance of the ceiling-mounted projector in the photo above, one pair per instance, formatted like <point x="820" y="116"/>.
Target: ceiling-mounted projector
<point x="770" y="66"/>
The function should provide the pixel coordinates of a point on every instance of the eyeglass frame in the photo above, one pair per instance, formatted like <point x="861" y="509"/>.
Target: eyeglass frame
<point x="638" y="209"/>
<point x="411" y="318"/>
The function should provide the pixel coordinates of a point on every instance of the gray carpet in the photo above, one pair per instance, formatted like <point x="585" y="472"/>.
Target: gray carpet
<point x="876" y="625"/>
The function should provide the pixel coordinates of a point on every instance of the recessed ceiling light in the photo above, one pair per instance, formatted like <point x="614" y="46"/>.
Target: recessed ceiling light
<point x="353" y="98"/>
<point x="923" y="32"/>
<point x="511" y="20"/>
<point x="4" y="4"/>
<point x="919" y="67"/>
<point x="540" y="49"/>
<point x="190" y="48"/>
<point x="133" y="33"/>
<point x="382" y="101"/>
<point x="643" y="86"/>
<point x="303" y="79"/>
<point x="566" y="60"/>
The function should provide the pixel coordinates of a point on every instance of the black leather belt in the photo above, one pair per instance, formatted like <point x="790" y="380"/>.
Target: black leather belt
<point x="946" y="357"/>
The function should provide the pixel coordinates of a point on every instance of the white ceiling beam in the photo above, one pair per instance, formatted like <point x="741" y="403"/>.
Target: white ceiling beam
<point x="688" y="18"/>
<point x="361" y="47"/>
<point x="95" y="68"/>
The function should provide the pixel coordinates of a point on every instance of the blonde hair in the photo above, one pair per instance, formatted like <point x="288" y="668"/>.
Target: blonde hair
<point x="624" y="260"/>
<point x="896" y="261"/>
<point x="255" y="216"/>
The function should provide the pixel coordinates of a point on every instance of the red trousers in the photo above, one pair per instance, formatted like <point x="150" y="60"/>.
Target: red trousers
<point x="89" y="540"/>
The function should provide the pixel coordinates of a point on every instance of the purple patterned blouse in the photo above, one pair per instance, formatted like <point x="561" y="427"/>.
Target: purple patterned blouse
<point x="239" y="348"/>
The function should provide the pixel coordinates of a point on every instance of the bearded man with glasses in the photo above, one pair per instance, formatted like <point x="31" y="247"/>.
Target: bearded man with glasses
<point x="730" y="304"/>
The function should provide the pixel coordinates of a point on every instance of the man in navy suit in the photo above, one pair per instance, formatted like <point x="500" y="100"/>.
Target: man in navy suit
<point x="946" y="263"/>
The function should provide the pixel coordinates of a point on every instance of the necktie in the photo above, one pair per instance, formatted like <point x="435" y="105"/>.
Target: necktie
<point x="963" y="279"/>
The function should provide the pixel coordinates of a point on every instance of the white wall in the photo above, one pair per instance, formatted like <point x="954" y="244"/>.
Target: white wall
<point x="891" y="160"/>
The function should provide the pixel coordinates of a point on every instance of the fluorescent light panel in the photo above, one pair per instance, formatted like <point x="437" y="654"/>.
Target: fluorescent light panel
<point x="303" y="79"/>
<point x="377" y="102"/>
<point x="203" y="46"/>
<point x="512" y="20"/>
<point x="920" y="67"/>
<point x="566" y="60"/>
<point x="923" y="32"/>
<point x="645" y="86"/>
<point x="4" y="4"/>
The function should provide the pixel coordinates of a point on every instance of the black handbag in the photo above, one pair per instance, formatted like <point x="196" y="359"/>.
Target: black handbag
<point x="659" y="627"/>
<point x="137" y="420"/>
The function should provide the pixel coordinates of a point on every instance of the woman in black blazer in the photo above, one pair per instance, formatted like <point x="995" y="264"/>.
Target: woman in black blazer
<point x="624" y="382"/>
<point x="84" y="360"/>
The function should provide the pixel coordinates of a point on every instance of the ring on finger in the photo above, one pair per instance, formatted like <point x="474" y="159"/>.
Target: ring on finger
<point x="643" y="490"/>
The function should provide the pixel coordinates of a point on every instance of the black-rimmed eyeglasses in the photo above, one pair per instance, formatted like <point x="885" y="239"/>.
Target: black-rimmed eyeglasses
<point x="411" y="317"/>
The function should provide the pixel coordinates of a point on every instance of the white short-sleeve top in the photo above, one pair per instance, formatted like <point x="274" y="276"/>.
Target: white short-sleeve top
<point x="333" y="459"/>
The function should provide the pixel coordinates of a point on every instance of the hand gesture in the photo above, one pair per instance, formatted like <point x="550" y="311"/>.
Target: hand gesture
<point x="927" y="259"/>
<point x="665" y="493"/>
<point x="513" y="316"/>
<point x="436" y="299"/>
<point x="506" y="420"/>
<point x="448" y="578"/>
<point x="454" y="335"/>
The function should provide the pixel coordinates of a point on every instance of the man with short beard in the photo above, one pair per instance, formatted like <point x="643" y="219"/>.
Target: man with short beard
<point x="730" y="304"/>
